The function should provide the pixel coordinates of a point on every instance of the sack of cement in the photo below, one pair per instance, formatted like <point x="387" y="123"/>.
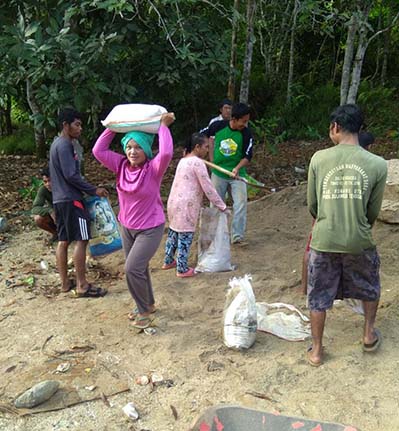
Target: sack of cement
<point x="134" y="116"/>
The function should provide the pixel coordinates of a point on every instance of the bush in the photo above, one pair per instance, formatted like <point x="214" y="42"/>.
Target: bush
<point x="380" y="105"/>
<point x="22" y="141"/>
<point x="307" y="117"/>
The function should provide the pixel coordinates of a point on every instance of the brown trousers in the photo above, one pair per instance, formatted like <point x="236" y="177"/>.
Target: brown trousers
<point x="139" y="247"/>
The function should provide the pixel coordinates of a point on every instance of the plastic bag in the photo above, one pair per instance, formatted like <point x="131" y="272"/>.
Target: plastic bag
<point x="356" y="305"/>
<point x="239" y="315"/>
<point x="134" y="116"/>
<point x="283" y="320"/>
<point x="105" y="236"/>
<point x="214" y="242"/>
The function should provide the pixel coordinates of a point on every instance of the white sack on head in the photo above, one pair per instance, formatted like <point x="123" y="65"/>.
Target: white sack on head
<point x="134" y="116"/>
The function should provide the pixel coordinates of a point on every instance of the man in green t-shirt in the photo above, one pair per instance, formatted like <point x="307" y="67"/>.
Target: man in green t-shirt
<point x="345" y="190"/>
<point x="231" y="149"/>
<point x="42" y="208"/>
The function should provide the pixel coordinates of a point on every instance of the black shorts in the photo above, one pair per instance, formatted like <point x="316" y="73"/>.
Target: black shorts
<point x="73" y="221"/>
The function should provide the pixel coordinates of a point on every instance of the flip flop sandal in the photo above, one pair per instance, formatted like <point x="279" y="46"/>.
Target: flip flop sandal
<point x="142" y="322"/>
<point x="373" y="347"/>
<point x="133" y="314"/>
<point x="72" y="285"/>
<point x="189" y="273"/>
<point x="310" y="361"/>
<point x="91" y="292"/>
<point x="169" y="265"/>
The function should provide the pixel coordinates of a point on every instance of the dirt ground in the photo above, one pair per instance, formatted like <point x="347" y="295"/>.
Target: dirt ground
<point x="41" y="329"/>
<point x="103" y="351"/>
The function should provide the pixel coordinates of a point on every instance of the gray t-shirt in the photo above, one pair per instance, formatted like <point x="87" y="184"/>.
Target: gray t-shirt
<point x="67" y="183"/>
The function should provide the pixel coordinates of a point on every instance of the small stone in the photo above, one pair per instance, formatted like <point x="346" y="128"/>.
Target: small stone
<point x="90" y="388"/>
<point x="130" y="411"/>
<point x="142" y="380"/>
<point x="214" y="366"/>
<point x="37" y="394"/>
<point x="156" y="379"/>
<point x="63" y="368"/>
<point x="3" y="224"/>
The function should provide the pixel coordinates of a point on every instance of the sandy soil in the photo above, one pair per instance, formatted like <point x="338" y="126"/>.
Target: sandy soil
<point x="37" y="323"/>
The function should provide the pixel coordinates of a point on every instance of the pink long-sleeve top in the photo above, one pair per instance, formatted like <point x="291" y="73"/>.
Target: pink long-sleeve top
<point x="189" y="185"/>
<point x="140" y="204"/>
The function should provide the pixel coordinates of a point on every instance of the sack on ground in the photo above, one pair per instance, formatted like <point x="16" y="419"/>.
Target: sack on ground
<point x="239" y="315"/>
<point x="134" y="116"/>
<point x="105" y="236"/>
<point x="283" y="320"/>
<point x="213" y="242"/>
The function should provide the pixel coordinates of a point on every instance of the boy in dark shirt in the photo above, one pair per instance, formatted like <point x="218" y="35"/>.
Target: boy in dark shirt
<point x="42" y="208"/>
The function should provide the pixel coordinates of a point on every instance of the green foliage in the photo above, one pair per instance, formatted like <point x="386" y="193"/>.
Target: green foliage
<point x="22" y="141"/>
<point x="307" y="117"/>
<point x="30" y="192"/>
<point x="96" y="54"/>
<point x="93" y="55"/>
<point x="381" y="108"/>
<point x="268" y="132"/>
<point x="18" y="113"/>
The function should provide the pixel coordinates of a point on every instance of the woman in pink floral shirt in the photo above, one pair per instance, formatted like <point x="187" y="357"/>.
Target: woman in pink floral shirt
<point x="189" y="185"/>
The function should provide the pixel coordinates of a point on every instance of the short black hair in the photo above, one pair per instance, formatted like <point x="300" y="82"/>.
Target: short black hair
<point x="366" y="139"/>
<point x="225" y="102"/>
<point x="195" y="139"/>
<point x="239" y="110"/>
<point x="45" y="172"/>
<point x="349" y="117"/>
<point x="68" y="115"/>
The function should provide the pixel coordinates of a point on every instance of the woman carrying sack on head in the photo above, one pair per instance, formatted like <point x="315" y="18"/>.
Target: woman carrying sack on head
<point x="141" y="214"/>
<point x="189" y="185"/>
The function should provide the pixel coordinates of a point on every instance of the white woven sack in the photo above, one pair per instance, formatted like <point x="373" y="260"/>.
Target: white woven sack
<point x="239" y="315"/>
<point x="134" y="116"/>
<point x="283" y="320"/>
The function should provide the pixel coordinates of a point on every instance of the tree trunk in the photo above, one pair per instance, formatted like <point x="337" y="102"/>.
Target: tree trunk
<point x="347" y="66"/>
<point x="378" y="49"/>
<point x="358" y="65"/>
<point x="384" y="67"/>
<point x="7" y="114"/>
<point x="284" y="32"/>
<point x="231" y="87"/>
<point x="244" y="90"/>
<point x="292" y="53"/>
<point x="335" y="62"/>
<point x="38" y="129"/>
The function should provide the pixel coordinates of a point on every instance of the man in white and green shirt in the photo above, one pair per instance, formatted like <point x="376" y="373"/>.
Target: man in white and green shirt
<point x="345" y="191"/>
<point x="231" y="149"/>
